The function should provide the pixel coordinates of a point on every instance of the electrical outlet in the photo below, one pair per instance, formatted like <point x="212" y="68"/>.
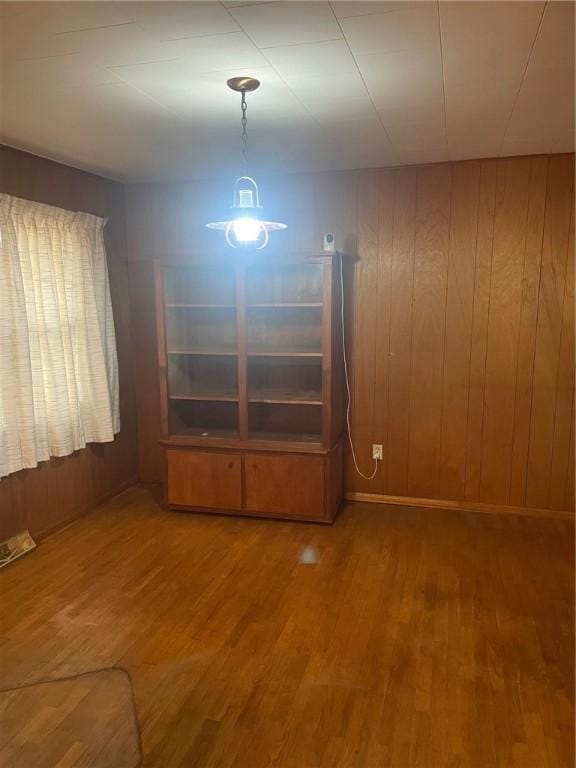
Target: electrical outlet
<point x="377" y="452"/>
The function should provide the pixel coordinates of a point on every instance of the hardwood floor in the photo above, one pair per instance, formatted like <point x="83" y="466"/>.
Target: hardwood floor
<point x="77" y="722"/>
<point x="432" y="639"/>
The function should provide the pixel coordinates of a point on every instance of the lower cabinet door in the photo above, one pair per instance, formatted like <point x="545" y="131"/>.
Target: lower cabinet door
<point x="285" y="485"/>
<point x="204" y="479"/>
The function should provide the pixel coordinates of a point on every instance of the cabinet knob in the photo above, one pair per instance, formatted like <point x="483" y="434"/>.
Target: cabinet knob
<point x="230" y="465"/>
<point x="254" y="466"/>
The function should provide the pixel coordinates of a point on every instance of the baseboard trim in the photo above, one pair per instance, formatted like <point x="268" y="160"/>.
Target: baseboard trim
<point x="459" y="506"/>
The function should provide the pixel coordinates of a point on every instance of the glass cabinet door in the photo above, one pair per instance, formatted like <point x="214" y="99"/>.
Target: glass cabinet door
<point x="201" y="350"/>
<point x="284" y="351"/>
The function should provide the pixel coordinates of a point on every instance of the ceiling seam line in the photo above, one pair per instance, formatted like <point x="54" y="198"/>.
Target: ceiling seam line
<point x="522" y="79"/>
<point x="362" y="78"/>
<point x="443" y="80"/>
<point x="93" y="29"/>
<point x="304" y="107"/>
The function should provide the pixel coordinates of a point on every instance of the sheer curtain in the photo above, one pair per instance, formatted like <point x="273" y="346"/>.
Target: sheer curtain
<point x="58" y="365"/>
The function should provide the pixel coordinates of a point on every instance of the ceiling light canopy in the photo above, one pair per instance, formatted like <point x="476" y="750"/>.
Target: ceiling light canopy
<point x="246" y="226"/>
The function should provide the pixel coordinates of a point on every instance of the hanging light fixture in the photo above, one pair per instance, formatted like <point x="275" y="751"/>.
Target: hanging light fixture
<point x="246" y="226"/>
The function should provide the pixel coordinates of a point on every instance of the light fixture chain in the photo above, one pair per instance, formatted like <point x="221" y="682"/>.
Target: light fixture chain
<point x="244" y="122"/>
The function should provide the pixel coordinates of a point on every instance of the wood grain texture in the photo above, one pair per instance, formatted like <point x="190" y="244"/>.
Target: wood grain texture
<point x="549" y="329"/>
<point x="146" y="372"/>
<point x="285" y="485"/>
<point x="365" y="292"/>
<point x="428" y="329"/>
<point x="402" y="283"/>
<point x="503" y="327"/>
<point x="527" y="334"/>
<point x="478" y="341"/>
<point x="45" y="724"/>
<point x="59" y="490"/>
<point x="203" y="479"/>
<point x="458" y="336"/>
<point x="417" y="638"/>
<point x="459" y="329"/>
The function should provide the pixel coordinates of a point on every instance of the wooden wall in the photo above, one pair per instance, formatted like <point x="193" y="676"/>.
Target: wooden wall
<point x="58" y="490"/>
<point x="461" y="317"/>
<point x="464" y="331"/>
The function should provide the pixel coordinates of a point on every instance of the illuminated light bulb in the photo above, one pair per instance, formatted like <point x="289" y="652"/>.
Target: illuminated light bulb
<point x="246" y="230"/>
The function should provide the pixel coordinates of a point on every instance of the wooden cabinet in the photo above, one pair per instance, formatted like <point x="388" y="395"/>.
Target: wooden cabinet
<point x="250" y="356"/>
<point x="203" y="479"/>
<point x="286" y="485"/>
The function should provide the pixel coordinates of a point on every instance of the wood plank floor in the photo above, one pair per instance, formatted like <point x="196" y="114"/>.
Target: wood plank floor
<point x="80" y="721"/>
<point x="432" y="639"/>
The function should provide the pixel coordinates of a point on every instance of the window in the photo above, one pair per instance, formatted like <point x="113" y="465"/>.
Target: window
<point x="58" y="365"/>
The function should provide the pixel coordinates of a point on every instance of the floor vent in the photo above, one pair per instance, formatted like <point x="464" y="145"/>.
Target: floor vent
<point x="16" y="547"/>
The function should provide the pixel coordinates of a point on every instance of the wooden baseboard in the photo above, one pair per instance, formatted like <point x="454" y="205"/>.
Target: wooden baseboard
<point x="459" y="506"/>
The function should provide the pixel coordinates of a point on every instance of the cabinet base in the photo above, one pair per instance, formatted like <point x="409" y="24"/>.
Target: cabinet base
<point x="285" y="486"/>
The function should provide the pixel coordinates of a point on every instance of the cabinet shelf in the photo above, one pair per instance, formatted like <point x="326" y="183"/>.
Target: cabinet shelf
<point x="203" y="351"/>
<point x="285" y="437"/>
<point x="282" y="353"/>
<point x="207" y="396"/>
<point x="291" y="305"/>
<point x="228" y="434"/>
<point x="200" y="306"/>
<point x="285" y="397"/>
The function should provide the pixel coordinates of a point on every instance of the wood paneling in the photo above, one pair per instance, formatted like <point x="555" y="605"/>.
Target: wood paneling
<point x="428" y="329"/>
<point x="459" y="326"/>
<point x="478" y="341"/>
<point x="397" y="387"/>
<point x="58" y="490"/>
<point x="503" y="327"/>
<point x="547" y="389"/>
<point x="460" y="323"/>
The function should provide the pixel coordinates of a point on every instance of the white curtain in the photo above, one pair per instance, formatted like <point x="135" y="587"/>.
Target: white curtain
<point x="58" y="365"/>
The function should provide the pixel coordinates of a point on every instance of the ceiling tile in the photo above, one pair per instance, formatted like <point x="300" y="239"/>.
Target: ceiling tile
<point x="411" y="127"/>
<point x="310" y="86"/>
<point x="358" y="144"/>
<point x="546" y="114"/>
<point x="329" y="106"/>
<point x="553" y="53"/>
<point x="473" y="148"/>
<point x="477" y="99"/>
<point x="403" y="79"/>
<point x="138" y="90"/>
<point x="540" y="146"/>
<point x="413" y="27"/>
<point x="55" y="72"/>
<point x="210" y="100"/>
<point x="420" y="156"/>
<point x="322" y="60"/>
<point x="477" y="133"/>
<point x="275" y="24"/>
<point x="487" y="41"/>
<point x="174" y="20"/>
<point x="344" y="10"/>
<point x="431" y="114"/>
<point x="123" y="44"/>
<point x="414" y="139"/>
<point x="57" y="17"/>
<point x="544" y="109"/>
<point x="195" y="56"/>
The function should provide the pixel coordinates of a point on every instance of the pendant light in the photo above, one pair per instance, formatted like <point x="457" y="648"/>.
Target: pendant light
<point x="246" y="225"/>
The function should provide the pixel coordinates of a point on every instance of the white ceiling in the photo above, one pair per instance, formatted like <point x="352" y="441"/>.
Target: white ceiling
<point x="136" y="90"/>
